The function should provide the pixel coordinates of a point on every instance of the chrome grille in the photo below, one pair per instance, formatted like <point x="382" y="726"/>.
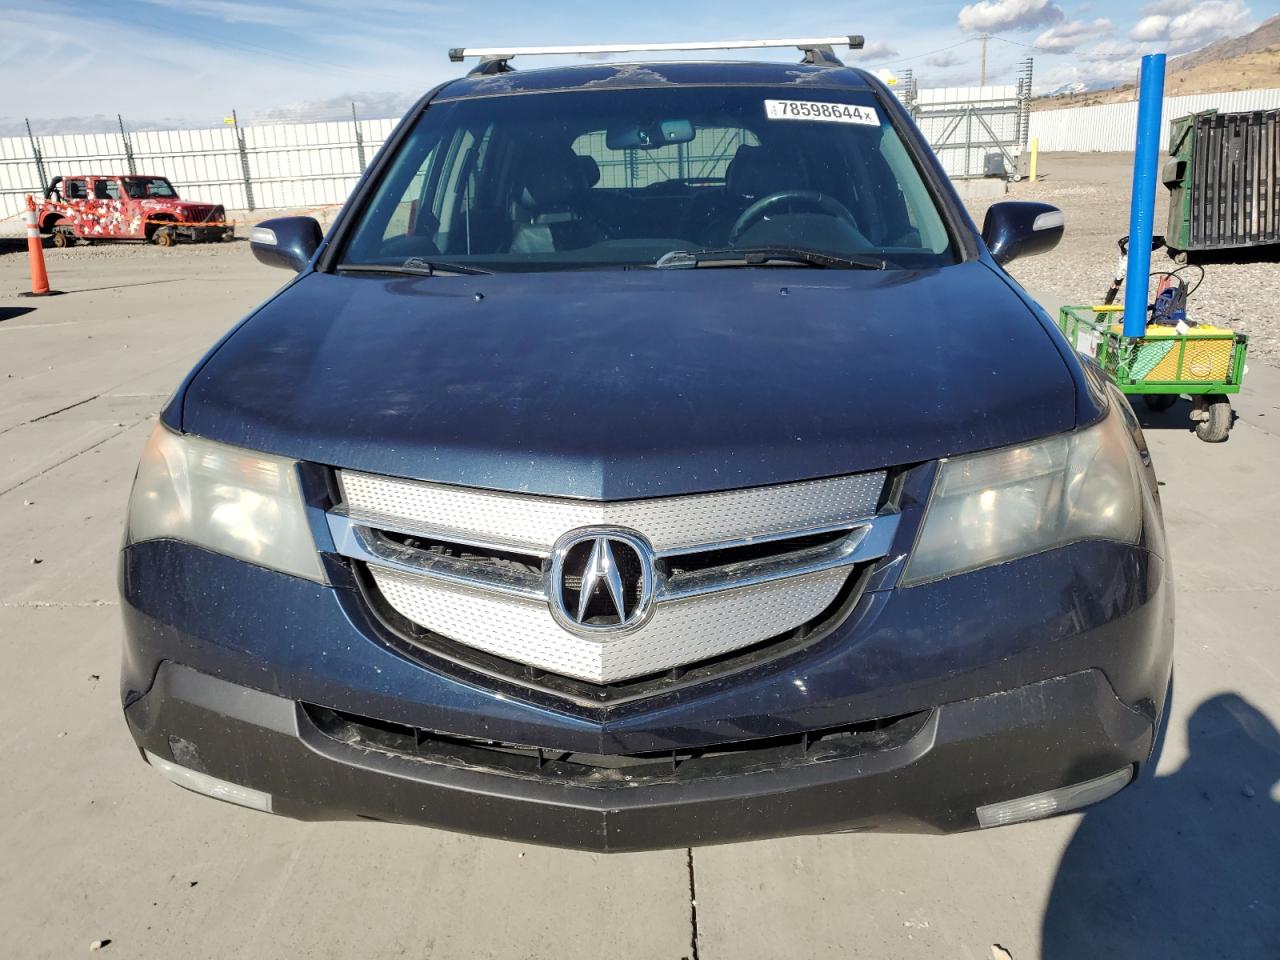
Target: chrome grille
<point x="708" y="601"/>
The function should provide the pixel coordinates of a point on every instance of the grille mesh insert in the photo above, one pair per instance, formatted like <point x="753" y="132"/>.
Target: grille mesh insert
<point x="669" y="523"/>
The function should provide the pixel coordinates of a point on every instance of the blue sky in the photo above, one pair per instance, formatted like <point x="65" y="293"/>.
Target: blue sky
<point x="190" y="62"/>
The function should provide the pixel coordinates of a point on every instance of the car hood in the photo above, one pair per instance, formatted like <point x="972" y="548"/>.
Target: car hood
<point x="621" y="384"/>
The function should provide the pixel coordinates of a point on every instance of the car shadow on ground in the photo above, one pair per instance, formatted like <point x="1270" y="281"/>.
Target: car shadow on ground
<point x="1185" y="865"/>
<point x="1176" y="417"/>
<point x="11" y="313"/>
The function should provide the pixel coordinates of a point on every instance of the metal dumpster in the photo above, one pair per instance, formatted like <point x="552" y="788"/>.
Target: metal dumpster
<point x="1223" y="176"/>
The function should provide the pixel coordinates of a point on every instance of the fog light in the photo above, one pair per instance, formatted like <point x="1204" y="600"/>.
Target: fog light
<point x="1046" y="804"/>
<point x="210" y="786"/>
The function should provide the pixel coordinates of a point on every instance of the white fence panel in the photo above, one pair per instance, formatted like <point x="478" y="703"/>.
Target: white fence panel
<point x="289" y="164"/>
<point x="1111" y="127"/>
<point x="971" y="127"/>
<point x="317" y="164"/>
<point x="17" y="173"/>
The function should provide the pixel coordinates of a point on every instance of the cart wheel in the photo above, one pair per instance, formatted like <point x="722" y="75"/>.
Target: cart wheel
<point x="1158" y="402"/>
<point x="1217" y="420"/>
<point x="165" y="237"/>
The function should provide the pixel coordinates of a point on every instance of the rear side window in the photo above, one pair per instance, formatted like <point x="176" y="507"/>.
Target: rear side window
<point x="145" y="188"/>
<point x="74" y="190"/>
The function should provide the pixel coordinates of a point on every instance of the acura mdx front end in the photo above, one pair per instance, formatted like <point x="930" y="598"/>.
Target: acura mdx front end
<point x="649" y="456"/>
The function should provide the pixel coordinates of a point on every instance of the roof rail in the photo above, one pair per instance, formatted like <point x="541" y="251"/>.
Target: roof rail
<point x="815" y="49"/>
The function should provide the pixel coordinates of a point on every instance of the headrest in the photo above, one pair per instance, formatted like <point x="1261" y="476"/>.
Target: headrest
<point x="590" y="171"/>
<point x="758" y="171"/>
<point x="552" y="176"/>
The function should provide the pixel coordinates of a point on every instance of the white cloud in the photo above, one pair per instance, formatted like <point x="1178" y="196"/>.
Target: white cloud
<point x="1168" y="7"/>
<point x="1193" y="28"/>
<point x="991" y="15"/>
<point x="947" y="58"/>
<point x="369" y="106"/>
<point x="1067" y="36"/>
<point x="232" y="11"/>
<point x="1086" y="76"/>
<point x="874" y="52"/>
<point x="1110" y="51"/>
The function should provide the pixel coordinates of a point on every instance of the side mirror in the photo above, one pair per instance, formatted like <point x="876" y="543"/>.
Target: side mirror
<point x="1021" y="228"/>
<point x="287" y="242"/>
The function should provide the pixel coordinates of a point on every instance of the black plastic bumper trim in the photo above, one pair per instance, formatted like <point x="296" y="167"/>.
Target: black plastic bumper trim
<point x="975" y="752"/>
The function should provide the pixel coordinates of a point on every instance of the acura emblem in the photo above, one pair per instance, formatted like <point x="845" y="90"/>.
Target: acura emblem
<point x="601" y="580"/>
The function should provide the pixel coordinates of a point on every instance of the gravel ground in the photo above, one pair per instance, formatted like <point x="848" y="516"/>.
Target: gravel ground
<point x="1093" y="192"/>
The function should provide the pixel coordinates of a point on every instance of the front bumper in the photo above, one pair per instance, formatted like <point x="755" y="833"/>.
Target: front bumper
<point x="965" y="755"/>
<point x="1033" y="675"/>
<point x="199" y="234"/>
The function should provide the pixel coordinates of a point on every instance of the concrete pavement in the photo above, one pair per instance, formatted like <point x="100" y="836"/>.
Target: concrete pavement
<point x="97" y="846"/>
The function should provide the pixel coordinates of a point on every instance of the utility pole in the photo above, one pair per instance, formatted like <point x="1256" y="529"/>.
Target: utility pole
<point x="355" y="122"/>
<point x="243" y="150"/>
<point x="128" y="147"/>
<point x="38" y="157"/>
<point x="982" y="82"/>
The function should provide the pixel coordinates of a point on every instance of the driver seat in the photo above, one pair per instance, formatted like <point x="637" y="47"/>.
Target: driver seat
<point x="754" y="172"/>
<point x="548" y="215"/>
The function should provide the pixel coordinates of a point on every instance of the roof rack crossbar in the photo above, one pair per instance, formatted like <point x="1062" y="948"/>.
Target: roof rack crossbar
<point x="817" y="50"/>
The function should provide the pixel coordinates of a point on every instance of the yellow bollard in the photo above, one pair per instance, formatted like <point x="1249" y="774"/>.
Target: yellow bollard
<point x="1035" y="155"/>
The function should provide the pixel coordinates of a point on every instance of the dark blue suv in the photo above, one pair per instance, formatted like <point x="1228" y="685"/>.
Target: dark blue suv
<point x="650" y="455"/>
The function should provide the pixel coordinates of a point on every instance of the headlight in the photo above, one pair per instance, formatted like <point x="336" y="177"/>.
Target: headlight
<point x="232" y="501"/>
<point x="996" y="506"/>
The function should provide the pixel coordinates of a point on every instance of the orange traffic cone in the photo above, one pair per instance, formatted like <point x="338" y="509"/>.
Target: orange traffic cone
<point x="35" y="253"/>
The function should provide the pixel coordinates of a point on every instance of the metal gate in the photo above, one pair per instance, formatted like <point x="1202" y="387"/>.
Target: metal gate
<point x="977" y="131"/>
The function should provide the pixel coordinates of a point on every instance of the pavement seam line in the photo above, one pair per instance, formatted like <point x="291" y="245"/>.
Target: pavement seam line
<point x="55" y="604"/>
<point x="51" y="413"/>
<point x="693" y="906"/>
<point x="55" y="466"/>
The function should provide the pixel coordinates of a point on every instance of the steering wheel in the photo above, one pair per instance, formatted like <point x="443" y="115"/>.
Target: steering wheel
<point x="813" y="198"/>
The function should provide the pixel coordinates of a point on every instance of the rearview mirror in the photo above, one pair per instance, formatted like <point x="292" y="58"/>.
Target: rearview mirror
<point x="1021" y="228"/>
<point x="287" y="242"/>
<point x="649" y="136"/>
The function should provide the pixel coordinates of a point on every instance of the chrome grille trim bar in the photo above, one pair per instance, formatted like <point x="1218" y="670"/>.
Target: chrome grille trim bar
<point x="377" y="521"/>
<point x="361" y="543"/>
<point x="869" y="541"/>
<point x="864" y="543"/>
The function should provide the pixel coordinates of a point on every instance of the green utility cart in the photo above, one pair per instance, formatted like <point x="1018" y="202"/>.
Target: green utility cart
<point x="1223" y="181"/>
<point x="1204" y="362"/>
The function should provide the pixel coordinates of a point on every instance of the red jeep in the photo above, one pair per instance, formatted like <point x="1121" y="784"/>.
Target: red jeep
<point x="127" y="207"/>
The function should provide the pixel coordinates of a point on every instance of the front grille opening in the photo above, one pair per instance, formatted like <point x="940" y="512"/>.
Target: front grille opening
<point x="745" y="553"/>
<point x="442" y="653"/>
<point x="617" y="770"/>
<point x="505" y="560"/>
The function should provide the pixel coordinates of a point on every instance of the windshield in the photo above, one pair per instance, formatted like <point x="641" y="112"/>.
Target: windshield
<point x="624" y="177"/>
<point x="140" y="188"/>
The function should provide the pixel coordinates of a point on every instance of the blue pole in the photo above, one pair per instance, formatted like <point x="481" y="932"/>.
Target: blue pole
<point x="1142" y="207"/>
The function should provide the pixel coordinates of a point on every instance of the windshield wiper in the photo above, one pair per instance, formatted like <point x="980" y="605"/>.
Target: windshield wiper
<point x="767" y="256"/>
<point x="415" y="266"/>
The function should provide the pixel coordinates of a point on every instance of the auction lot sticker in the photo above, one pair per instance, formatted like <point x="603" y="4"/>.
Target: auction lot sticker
<point x="827" y="112"/>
